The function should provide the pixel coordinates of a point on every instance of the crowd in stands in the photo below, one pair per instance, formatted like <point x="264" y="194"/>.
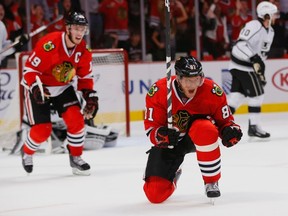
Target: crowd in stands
<point x="117" y="24"/>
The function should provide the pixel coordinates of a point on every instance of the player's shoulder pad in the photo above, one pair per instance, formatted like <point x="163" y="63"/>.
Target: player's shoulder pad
<point x="49" y="40"/>
<point x="253" y="26"/>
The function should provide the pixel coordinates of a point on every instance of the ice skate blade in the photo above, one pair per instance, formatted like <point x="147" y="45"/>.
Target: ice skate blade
<point x="258" y="139"/>
<point x="76" y="171"/>
<point x="212" y="201"/>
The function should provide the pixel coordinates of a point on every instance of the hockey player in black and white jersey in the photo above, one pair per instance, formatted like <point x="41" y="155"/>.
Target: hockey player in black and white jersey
<point x="247" y="65"/>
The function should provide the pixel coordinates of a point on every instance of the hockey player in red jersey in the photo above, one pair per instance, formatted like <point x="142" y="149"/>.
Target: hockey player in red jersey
<point x="200" y="115"/>
<point x="56" y="61"/>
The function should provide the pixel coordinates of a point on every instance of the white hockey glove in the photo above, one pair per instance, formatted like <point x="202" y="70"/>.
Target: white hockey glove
<point x="259" y="68"/>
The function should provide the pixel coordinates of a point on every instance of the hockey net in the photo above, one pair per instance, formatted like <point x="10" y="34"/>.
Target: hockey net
<point x="110" y="69"/>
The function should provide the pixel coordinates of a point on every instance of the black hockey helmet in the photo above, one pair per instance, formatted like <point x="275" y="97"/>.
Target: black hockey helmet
<point x="188" y="67"/>
<point x="76" y="18"/>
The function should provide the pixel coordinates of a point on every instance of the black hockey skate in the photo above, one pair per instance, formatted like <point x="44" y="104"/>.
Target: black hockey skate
<point x="27" y="161"/>
<point x="212" y="190"/>
<point x="256" y="131"/>
<point x="79" y="166"/>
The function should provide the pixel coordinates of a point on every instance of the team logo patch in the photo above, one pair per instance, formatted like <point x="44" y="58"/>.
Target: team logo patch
<point x="48" y="46"/>
<point x="88" y="48"/>
<point x="152" y="90"/>
<point x="64" y="72"/>
<point x="217" y="90"/>
<point x="181" y="120"/>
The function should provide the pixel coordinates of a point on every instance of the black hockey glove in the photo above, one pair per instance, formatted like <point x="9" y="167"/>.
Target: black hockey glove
<point x="166" y="137"/>
<point x="23" y="39"/>
<point x="231" y="135"/>
<point x="38" y="96"/>
<point x="259" y="68"/>
<point x="91" y="106"/>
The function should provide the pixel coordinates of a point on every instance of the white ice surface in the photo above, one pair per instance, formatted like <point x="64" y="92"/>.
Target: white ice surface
<point x="254" y="180"/>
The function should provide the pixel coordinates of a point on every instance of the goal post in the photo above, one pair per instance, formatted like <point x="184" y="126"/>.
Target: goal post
<point x="111" y="78"/>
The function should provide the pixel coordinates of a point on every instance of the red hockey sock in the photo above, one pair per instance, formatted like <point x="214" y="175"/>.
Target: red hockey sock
<point x="158" y="189"/>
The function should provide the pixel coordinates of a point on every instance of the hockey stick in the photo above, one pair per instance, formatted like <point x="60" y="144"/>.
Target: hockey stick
<point x="168" y="64"/>
<point x="40" y="85"/>
<point x="31" y="34"/>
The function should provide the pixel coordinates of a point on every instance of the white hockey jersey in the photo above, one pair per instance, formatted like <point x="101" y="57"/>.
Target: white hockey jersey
<point x="253" y="39"/>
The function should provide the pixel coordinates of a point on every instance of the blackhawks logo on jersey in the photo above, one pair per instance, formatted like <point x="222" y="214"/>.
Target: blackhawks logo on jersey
<point x="64" y="72"/>
<point x="48" y="46"/>
<point x="217" y="90"/>
<point x="152" y="90"/>
<point x="181" y="120"/>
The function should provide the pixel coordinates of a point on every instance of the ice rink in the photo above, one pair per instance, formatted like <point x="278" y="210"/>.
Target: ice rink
<point x="254" y="180"/>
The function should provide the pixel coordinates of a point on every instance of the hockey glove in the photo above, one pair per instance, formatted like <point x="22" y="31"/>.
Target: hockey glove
<point x="231" y="135"/>
<point x="91" y="107"/>
<point x="166" y="137"/>
<point x="39" y="96"/>
<point x="259" y="68"/>
<point x="23" y="39"/>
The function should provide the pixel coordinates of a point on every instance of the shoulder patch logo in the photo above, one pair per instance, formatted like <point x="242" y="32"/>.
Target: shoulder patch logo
<point x="48" y="46"/>
<point x="88" y="48"/>
<point x="152" y="90"/>
<point x="217" y="90"/>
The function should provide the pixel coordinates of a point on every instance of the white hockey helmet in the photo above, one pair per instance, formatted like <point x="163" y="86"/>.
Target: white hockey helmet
<point x="264" y="8"/>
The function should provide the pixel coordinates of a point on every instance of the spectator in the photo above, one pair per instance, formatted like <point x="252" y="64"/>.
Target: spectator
<point x="159" y="37"/>
<point x="185" y="37"/>
<point x="154" y="16"/>
<point x="37" y="20"/>
<point x="134" y="47"/>
<point x="134" y="14"/>
<point x="280" y="42"/>
<point x="216" y="41"/>
<point x="96" y="22"/>
<point x="64" y="9"/>
<point x="44" y="5"/>
<point x="179" y="13"/>
<point x="239" y="19"/>
<point x="12" y="19"/>
<point x="207" y="20"/>
<point x="228" y="7"/>
<point x="115" y="15"/>
<point x="53" y="9"/>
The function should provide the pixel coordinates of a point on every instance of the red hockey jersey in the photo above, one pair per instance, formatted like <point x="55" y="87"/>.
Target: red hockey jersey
<point x="209" y="102"/>
<point x="56" y="66"/>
